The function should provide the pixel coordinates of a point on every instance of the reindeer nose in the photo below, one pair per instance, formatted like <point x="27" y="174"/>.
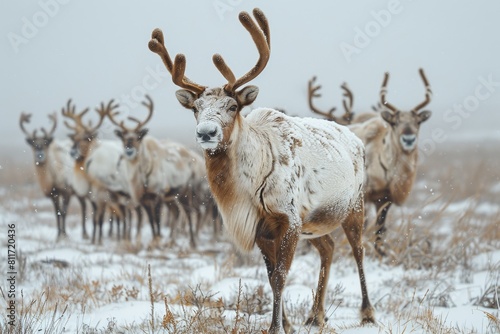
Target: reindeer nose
<point x="408" y="140"/>
<point x="40" y="156"/>
<point x="206" y="131"/>
<point x="74" y="153"/>
<point x="129" y="151"/>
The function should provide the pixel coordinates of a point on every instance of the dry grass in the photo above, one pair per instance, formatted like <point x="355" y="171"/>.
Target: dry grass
<point x="452" y="216"/>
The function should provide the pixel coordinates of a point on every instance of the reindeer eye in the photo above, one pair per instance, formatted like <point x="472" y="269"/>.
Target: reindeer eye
<point x="233" y="108"/>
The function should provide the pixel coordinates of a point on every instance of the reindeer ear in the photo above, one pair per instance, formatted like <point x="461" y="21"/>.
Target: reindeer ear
<point x="186" y="98"/>
<point x="142" y="133"/>
<point x="49" y="140"/>
<point x="389" y="117"/>
<point x="29" y="141"/>
<point x="247" y="95"/>
<point x="118" y="133"/>
<point x="424" y="116"/>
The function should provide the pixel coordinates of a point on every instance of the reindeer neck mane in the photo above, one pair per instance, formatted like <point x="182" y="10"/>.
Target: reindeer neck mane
<point x="402" y="168"/>
<point x="234" y="175"/>
<point x="44" y="177"/>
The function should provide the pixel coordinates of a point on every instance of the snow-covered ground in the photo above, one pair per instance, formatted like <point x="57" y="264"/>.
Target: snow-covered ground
<point x="443" y="270"/>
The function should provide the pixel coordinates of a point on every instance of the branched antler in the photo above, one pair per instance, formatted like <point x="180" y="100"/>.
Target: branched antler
<point x="26" y="118"/>
<point x="260" y="34"/>
<point x="148" y="104"/>
<point x="103" y="111"/>
<point x="53" y="118"/>
<point x="70" y="113"/>
<point x="383" y="93"/>
<point x="348" y="102"/>
<point x="157" y="45"/>
<point x="428" y="93"/>
<point x="312" y="93"/>
<point x="262" y="39"/>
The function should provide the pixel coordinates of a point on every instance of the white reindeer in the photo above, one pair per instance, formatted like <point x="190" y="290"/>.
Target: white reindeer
<point x="53" y="170"/>
<point x="99" y="171"/>
<point x="390" y="137"/>
<point x="276" y="179"/>
<point x="160" y="171"/>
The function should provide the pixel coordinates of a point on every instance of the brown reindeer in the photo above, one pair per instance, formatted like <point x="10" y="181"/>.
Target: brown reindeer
<point x="53" y="171"/>
<point x="391" y="154"/>
<point x="276" y="179"/>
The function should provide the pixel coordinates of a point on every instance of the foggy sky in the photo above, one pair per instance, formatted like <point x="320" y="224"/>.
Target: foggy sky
<point x="93" y="51"/>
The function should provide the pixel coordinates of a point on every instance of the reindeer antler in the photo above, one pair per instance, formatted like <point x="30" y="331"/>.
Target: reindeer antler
<point x="348" y="102"/>
<point x="262" y="39"/>
<point x="383" y="93"/>
<point x="428" y="92"/>
<point x="312" y="93"/>
<point x="260" y="36"/>
<point x="148" y="104"/>
<point x="70" y="113"/>
<point x="103" y="111"/>
<point x="53" y="118"/>
<point x="26" y="118"/>
<point x="157" y="45"/>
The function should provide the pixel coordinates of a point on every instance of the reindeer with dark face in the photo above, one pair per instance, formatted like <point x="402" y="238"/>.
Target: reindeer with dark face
<point x="276" y="179"/>
<point x="159" y="171"/>
<point x="53" y="170"/>
<point x="99" y="172"/>
<point x="391" y="155"/>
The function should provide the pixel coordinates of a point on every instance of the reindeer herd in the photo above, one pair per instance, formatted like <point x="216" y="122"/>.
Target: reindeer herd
<point x="119" y="177"/>
<point x="274" y="179"/>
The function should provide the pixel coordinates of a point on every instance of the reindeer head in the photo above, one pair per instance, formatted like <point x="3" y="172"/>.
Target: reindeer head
<point x="132" y="137"/>
<point x="405" y="124"/>
<point x="39" y="144"/>
<point x="84" y="135"/>
<point x="217" y="109"/>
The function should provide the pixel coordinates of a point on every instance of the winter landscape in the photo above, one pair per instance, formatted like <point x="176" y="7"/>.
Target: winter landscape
<point x="441" y="270"/>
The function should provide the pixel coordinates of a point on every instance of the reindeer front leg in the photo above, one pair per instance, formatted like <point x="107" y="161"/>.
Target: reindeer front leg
<point x="268" y="250"/>
<point x="83" y="206"/>
<point x="278" y="249"/>
<point x="353" y="228"/>
<point x="382" y="207"/>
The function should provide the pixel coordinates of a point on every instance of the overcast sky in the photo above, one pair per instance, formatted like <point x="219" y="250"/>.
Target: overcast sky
<point x="92" y="51"/>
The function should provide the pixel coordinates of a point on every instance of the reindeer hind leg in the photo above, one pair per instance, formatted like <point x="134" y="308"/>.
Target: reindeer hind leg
<point x="325" y="247"/>
<point x="353" y="228"/>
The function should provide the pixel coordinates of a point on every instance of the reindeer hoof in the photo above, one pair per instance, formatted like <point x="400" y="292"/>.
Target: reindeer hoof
<point x="315" y="321"/>
<point x="62" y="236"/>
<point x="381" y="248"/>
<point x="367" y="315"/>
